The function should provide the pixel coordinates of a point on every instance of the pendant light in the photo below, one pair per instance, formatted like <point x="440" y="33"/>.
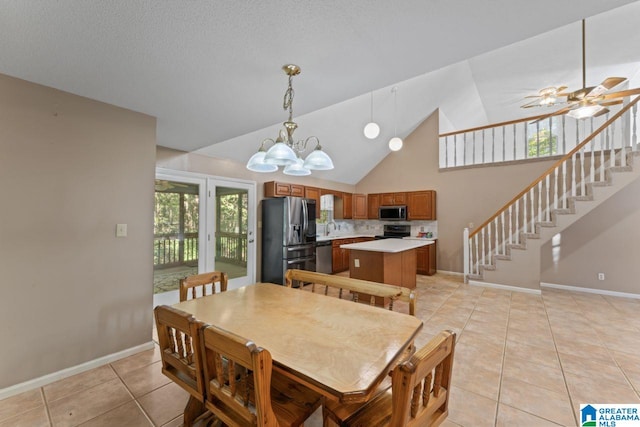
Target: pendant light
<point x="372" y="130"/>
<point x="395" y="143"/>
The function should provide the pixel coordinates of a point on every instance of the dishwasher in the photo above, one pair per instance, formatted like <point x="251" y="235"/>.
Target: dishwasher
<point x="324" y="262"/>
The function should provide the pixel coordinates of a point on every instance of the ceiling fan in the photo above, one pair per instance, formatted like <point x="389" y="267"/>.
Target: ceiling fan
<point x="583" y="103"/>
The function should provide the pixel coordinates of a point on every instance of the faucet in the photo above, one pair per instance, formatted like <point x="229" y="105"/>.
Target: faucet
<point x="327" y="227"/>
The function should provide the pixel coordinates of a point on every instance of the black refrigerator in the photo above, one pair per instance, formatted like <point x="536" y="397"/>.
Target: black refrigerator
<point x="288" y="236"/>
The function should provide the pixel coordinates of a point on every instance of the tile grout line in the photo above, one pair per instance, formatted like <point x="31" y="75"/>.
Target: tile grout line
<point x="147" y="416"/>
<point x="555" y="345"/>
<point x="504" y="355"/>
<point x="46" y="406"/>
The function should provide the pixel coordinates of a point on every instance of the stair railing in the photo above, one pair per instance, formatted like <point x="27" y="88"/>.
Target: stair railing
<point x="533" y="137"/>
<point x="554" y="190"/>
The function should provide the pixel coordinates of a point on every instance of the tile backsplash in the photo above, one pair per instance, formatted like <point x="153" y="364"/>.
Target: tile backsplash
<point x="342" y="227"/>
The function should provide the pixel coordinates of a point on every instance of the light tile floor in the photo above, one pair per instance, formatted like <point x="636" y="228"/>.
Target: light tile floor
<point x="521" y="360"/>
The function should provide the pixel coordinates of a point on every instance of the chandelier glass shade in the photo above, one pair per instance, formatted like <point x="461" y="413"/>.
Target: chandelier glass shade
<point x="285" y="151"/>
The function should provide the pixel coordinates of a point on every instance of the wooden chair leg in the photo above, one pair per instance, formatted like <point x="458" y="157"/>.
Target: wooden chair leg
<point x="192" y="411"/>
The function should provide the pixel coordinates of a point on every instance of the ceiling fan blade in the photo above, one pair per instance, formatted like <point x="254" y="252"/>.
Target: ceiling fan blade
<point x="621" y="94"/>
<point x="609" y="103"/>
<point x="601" y="112"/>
<point x="611" y="82"/>
<point x="535" y="103"/>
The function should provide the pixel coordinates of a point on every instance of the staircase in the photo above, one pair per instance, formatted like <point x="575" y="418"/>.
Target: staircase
<point x="505" y="249"/>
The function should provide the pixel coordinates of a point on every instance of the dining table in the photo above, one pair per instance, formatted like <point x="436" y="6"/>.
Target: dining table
<point x="341" y="349"/>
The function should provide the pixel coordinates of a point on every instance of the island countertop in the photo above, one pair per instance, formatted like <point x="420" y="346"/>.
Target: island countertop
<point x="387" y="245"/>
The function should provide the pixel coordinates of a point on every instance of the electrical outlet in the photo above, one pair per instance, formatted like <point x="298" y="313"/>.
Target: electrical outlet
<point x="356" y="263"/>
<point x="421" y="228"/>
<point x="600" y="276"/>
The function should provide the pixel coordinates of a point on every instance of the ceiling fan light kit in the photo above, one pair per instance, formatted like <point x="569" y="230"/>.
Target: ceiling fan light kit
<point x="284" y="150"/>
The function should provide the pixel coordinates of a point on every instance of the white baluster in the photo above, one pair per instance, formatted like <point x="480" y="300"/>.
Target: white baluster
<point x="455" y="150"/>
<point x="496" y="236"/>
<point x="612" y="143"/>
<point x="555" y="193"/>
<point x="466" y="256"/>
<point x="489" y="252"/>
<point x="573" y="175"/>
<point x="547" y="206"/>
<point x="601" y="168"/>
<point x="475" y="239"/>
<point x="524" y="212"/>
<point x="564" y="185"/>
<point x="514" y="141"/>
<point x="518" y="222"/>
<point x="483" y="159"/>
<point x="533" y="216"/>
<point x="582" y="174"/>
<point x="464" y="152"/>
<point x="473" y="157"/>
<point x="539" y="218"/>
<point x="504" y="147"/>
<point x="510" y="217"/>
<point x="634" y="136"/>
<point x="483" y="246"/>
<point x="504" y="234"/>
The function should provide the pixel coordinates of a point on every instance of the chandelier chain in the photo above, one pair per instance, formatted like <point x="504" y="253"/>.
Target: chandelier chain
<point x="287" y="104"/>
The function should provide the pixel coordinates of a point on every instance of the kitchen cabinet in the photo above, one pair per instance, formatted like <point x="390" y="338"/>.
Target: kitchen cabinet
<point x="281" y="189"/>
<point x="373" y="203"/>
<point x="360" y="206"/>
<point x="421" y="205"/>
<point x="392" y="199"/>
<point x="313" y="193"/>
<point x="342" y="206"/>
<point x="339" y="256"/>
<point x="426" y="259"/>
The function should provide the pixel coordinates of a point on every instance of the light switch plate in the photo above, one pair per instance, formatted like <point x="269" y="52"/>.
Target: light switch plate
<point x="121" y="230"/>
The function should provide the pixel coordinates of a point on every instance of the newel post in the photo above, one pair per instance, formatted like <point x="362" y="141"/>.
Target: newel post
<point x="465" y="253"/>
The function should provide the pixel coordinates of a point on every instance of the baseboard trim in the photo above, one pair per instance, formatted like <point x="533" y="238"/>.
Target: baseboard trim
<point x="505" y="287"/>
<point x="73" y="370"/>
<point x="590" y="290"/>
<point x="453" y="273"/>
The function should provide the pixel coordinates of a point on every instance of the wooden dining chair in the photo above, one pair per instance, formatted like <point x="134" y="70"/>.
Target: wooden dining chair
<point x="179" y="341"/>
<point x="243" y="390"/>
<point x="201" y="281"/>
<point x="419" y="393"/>
<point x="379" y="294"/>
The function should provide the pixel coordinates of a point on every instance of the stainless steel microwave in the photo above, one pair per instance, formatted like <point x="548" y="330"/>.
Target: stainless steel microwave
<point x="392" y="213"/>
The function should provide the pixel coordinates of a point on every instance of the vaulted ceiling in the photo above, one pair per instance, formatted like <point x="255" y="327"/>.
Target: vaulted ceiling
<point x="210" y="71"/>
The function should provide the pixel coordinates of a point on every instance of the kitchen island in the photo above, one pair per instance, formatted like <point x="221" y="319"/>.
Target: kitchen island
<point x="390" y="261"/>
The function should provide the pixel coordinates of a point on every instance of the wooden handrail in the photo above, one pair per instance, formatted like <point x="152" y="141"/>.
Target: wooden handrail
<point x="619" y="94"/>
<point x="495" y="125"/>
<point x="556" y="164"/>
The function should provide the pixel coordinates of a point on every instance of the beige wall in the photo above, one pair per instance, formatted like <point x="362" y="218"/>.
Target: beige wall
<point x="71" y="169"/>
<point x="606" y="240"/>
<point x="463" y="195"/>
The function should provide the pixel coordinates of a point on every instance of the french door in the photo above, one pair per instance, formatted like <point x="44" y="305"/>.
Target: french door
<point x="202" y="223"/>
<point x="231" y="229"/>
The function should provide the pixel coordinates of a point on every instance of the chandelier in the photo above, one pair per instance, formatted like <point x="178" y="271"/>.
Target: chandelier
<point x="284" y="151"/>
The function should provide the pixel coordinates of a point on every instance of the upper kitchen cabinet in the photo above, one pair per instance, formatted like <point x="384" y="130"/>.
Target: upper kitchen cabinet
<point x="421" y="205"/>
<point x="360" y="206"/>
<point x="373" y="203"/>
<point x="343" y="206"/>
<point x="392" y="199"/>
<point x="281" y="189"/>
<point x="313" y="193"/>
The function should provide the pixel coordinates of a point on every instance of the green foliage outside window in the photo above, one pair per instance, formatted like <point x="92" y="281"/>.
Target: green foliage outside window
<point x="544" y="143"/>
